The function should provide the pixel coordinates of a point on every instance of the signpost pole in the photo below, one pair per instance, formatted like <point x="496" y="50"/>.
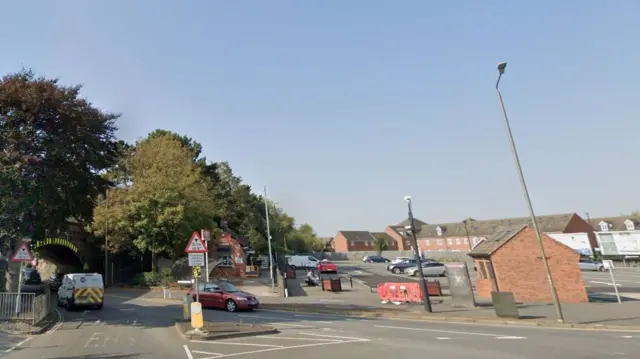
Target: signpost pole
<point x="608" y="264"/>
<point x="19" y="297"/>
<point x="205" y="238"/>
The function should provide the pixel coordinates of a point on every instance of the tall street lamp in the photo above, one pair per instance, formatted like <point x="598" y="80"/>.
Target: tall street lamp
<point x="554" y="294"/>
<point x="416" y="253"/>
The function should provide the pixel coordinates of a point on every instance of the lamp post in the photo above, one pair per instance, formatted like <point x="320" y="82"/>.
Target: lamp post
<point x="106" y="241"/>
<point x="266" y="209"/>
<point x="554" y="294"/>
<point x="416" y="251"/>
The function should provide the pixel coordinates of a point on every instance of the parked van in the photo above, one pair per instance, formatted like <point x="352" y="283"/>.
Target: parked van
<point x="81" y="290"/>
<point x="302" y="261"/>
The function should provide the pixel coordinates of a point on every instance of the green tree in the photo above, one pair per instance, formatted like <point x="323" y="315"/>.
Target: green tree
<point x="54" y="146"/>
<point x="381" y="243"/>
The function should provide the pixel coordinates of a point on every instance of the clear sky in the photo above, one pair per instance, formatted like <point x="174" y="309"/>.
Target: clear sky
<point x="343" y="107"/>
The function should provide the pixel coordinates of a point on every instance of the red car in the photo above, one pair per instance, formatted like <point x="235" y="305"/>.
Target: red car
<point x="325" y="266"/>
<point x="224" y="296"/>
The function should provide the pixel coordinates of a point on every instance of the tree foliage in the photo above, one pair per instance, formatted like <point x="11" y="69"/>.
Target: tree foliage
<point x="54" y="144"/>
<point x="380" y="242"/>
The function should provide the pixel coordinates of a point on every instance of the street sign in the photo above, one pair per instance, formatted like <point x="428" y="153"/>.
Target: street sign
<point x="196" y="259"/>
<point x="196" y="273"/>
<point x="22" y="254"/>
<point x="196" y="245"/>
<point x="206" y="235"/>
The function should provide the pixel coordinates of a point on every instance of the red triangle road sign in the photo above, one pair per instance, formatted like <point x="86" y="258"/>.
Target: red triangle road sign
<point x="196" y="244"/>
<point x="23" y="254"/>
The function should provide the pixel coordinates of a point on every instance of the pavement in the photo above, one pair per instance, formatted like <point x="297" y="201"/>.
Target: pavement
<point x="130" y="327"/>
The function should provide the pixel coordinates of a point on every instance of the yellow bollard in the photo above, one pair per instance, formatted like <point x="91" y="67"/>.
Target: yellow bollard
<point x="186" y="305"/>
<point x="197" y="321"/>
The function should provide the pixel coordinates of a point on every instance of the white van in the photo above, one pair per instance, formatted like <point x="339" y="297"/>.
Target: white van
<point x="302" y="261"/>
<point x="81" y="290"/>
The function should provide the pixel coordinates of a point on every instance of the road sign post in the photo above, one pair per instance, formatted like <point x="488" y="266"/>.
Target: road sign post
<point x="194" y="247"/>
<point x="22" y="255"/>
<point x="206" y="237"/>
<point x="608" y="264"/>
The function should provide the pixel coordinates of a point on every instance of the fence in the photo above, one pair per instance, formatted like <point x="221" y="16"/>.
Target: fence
<point x="25" y="307"/>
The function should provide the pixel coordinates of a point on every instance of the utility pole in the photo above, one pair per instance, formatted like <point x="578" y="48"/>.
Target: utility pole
<point x="266" y="209"/>
<point x="106" y="241"/>
<point x="416" y="250"/>
<point x="552" y="288"/>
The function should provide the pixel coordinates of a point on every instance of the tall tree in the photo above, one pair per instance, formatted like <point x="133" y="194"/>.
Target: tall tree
<point x="54" y="146"/>
<point x="381" y="243"/>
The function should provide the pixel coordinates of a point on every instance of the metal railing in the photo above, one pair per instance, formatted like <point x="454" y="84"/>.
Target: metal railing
<point x="25" y="307"/>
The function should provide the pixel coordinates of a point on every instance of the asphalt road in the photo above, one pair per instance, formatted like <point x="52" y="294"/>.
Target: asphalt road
<point x="143" y="329"/>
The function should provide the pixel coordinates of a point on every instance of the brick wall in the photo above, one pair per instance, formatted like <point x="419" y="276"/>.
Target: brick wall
<point x="340" y="243"/>
<point x="519" y="269"/>
<point x="403" y="244"/>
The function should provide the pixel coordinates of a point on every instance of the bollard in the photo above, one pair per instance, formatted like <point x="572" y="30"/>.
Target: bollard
<point x="351" y="281"/>
<point x="321" y="283"/>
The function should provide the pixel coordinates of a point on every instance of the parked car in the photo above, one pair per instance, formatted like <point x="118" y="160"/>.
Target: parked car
<point x="400" y="260"/>
<point x="224" y="295"/>
<point x="327" y="267"/>
<point x="429" y="268"/>
<point x="300" y="261"/>
<point x="400" y="267"/>
<point x="55" y="281"/>
<point x="375" y="259"/>
<point x="591" y="265"/>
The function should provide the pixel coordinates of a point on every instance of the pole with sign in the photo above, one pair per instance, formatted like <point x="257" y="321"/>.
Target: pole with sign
<point x="608" y="265"/>
<point x="206" y="237"/>
<point x="196" y="249"/>
<point x="22" y="255"/>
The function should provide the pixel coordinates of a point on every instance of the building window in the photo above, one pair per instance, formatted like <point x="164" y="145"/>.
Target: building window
<point x="427" y="242"/>
<point x="629" y="224"/>
<point x="439" y="230"/>
<point x="226" y="261"/>
<point x="407" y="244"/>
<point x="466" y="241"/>
<point x="449" y="241"/>
<point x="457" y="240"/>
<point x="604" y="226"/>
<point x="439" y="242"/>
<point x="369" y="243"/>
<point x="483" y="270"/>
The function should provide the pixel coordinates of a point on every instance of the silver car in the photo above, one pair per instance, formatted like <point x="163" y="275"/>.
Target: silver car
<point x="589" y="265"/>
<point x="430" y="269"/>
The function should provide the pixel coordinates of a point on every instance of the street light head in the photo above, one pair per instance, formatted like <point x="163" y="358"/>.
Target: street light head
<point x="501" y="67"/>
<point x="407" y="199"/>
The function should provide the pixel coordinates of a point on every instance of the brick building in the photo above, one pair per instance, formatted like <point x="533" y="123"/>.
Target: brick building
<point x="464" y="235"/>
<point x="349" y="241"/>
<point x="230" y="251"/>
<point x="401" y="235"/>
<point x="510" y="261"/>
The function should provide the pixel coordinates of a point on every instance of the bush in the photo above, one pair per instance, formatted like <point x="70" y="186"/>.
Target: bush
<point x="153" y="279"/>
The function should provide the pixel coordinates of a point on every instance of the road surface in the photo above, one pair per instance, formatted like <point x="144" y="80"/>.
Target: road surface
<point x="143" y="329"/>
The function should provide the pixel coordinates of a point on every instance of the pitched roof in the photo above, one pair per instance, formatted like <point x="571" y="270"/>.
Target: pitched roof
<point x="326" y="240"/>
<point x="357" y="236"/>
<point x="385" y="235"/>
<point x="418" y="223"/>
<point x="490" y="245"/>
<point x="547" y="224"/>
<point x="617" y="223"/>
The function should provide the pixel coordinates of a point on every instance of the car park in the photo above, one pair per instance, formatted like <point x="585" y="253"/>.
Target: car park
<point x="375" y="259"/>
<point x="224" y="295"/>
<point x="429" y="268"/>
<point x="327" y="267"/>
<point x="400" y="267"/>
<point x="591" y="265"/>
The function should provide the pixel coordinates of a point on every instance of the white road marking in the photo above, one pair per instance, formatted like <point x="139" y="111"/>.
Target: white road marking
<point x="443" y="338"/>
<point x="199" y="352"/>
<point x="606" y="283"/>
<point x="323" y="322"/>
<point x="94" y="337"/>
<point x="235" y="343"/>
<point x="16" y="346"/>
<point x="510" y="337"/>
<point x="267" y="317"/>
<point x="58" y="323"/>
<point x="439" y="331"/>
<point x="186" y="349"/>
<point x="626" y="337"/>
<point x="333" y="336"/>
<point x="291" y="347"/>
<point x="292" y="338"/>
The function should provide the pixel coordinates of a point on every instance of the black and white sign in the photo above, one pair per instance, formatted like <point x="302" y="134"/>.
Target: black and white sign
<point x="196" y="260"/>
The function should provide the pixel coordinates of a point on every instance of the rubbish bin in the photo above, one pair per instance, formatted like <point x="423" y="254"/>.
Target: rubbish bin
<point x="332" y="285"/>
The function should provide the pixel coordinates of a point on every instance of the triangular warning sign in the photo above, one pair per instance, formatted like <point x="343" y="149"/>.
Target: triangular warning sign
<point x="196" y="245"/>
<point x="22" y="254"/>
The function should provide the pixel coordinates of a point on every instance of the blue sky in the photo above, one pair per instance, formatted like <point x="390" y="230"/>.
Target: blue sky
<point x="342" y="108"/>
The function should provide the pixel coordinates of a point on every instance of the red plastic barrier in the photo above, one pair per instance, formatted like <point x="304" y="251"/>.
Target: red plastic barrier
<point x="406" y="292"/>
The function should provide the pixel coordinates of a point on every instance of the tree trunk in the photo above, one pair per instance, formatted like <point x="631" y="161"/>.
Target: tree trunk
<point x="154" y="262"/>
